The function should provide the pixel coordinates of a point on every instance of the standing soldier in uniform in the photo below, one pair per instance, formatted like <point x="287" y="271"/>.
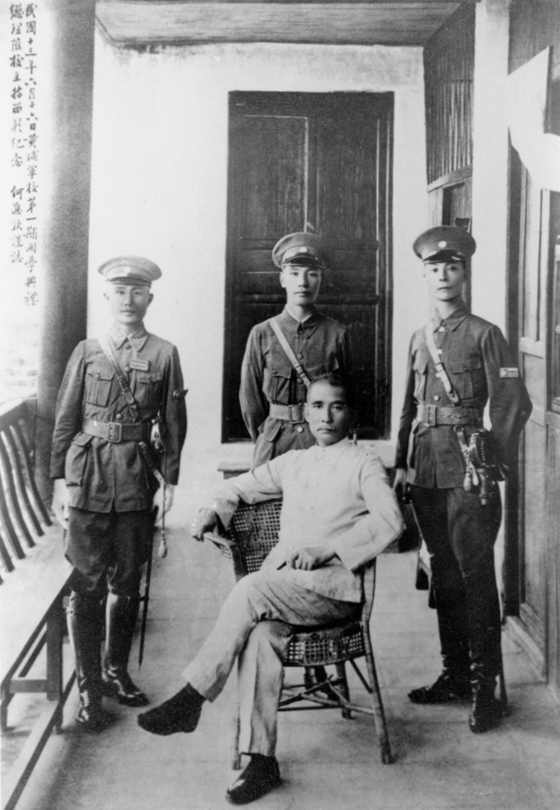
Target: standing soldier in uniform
<point x="120" y="417"/>
<point x="443" y="454"/>
<point x="273" y="383"/>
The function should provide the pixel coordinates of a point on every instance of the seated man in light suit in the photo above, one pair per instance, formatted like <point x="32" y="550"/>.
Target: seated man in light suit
<point x="338" y="514"/>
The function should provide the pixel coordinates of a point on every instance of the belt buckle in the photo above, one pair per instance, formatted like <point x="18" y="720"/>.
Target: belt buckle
<point x="297" y="410"/>
<point x="431" y="413"/>
<point x="115" y="432"/>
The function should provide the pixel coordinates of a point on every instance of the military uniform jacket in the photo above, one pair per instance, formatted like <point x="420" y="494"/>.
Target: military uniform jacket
<point x="103" y="475"/>
<point x="321" y="345"/>
<point x="479" y="364"/>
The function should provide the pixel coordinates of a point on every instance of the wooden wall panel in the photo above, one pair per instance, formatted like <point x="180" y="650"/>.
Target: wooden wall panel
<point x="534" y="26"/>
<point x="448" y="81"/>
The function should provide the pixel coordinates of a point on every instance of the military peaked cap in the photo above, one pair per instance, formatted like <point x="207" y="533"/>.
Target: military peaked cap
<point x="130" y="270"/>
<point x="303" y="249"/>
<point x="445" y="242"/>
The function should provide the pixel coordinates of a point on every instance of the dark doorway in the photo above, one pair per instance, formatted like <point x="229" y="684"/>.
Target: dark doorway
<point x="319" y="162"/>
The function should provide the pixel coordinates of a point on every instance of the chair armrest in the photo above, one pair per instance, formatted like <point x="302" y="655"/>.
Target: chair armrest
<point x="219" y="541"/>
<point x="230" y="549"/>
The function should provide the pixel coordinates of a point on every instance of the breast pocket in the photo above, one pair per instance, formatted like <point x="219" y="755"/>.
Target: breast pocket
<point x="148" y="389"/>
<point x="98" y="387"/>
<point x="278" y="385"/>
<point x="329" y="366"/>
<point x="467" y="376"/>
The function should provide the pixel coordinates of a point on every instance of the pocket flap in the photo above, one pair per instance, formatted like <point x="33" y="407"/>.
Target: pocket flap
<point x="323" y="368"/>
<point x="102" y="374"/>
<point x="466" y="364"/>
<point x="281" y="372"/>
<point x="82" y="439"/>
<point x="149" y="379"/>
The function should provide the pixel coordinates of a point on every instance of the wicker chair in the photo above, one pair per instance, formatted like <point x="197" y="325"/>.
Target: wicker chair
<point x="252" y="533"/>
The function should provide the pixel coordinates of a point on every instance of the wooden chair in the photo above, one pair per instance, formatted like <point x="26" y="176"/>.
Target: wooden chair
<point x="253" y="532"/>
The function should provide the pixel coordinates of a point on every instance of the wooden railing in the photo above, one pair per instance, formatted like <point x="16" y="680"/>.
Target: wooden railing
<point x="34" y="582"/>
<point x="21" y="507"/>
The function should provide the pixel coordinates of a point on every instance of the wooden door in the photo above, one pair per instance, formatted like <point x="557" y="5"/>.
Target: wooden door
<point x="318" y="162"/>
<point x="532" y="549"/>
<point x="553" y="460"/>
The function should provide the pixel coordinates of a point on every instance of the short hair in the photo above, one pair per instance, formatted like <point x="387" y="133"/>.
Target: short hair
<point x="336" y="380"/>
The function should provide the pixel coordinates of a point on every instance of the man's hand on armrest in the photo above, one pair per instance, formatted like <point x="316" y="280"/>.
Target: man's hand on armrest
<point x="206" y="521"/>
<point x="310" y="557"/>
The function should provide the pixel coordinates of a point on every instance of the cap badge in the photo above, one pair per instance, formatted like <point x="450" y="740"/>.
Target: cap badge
<point x="442" y="244"/>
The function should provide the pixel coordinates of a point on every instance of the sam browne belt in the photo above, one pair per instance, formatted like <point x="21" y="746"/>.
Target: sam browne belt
<point x="435" y="415"/>
<point x="117" y="432"/>
<point x="290" y="413"/>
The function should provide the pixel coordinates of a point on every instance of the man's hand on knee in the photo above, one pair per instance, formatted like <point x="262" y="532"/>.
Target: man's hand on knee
<point x="206" y="521"/>
<point x="310" y="557"/>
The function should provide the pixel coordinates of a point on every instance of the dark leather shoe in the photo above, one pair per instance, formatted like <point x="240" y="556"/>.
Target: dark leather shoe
<point x="91" y="716"/>
<point x="447" y="689"/>
<point x="486" y="712"/>
<point x="118" y="683"/>
<point x="260" y="776"/>
<point x="180" y="713"/>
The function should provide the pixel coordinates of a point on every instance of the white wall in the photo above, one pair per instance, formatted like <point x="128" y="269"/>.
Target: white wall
<point x="490" y="173"/>
<point x="159" y="190"/>
<point x="490" y="161"/>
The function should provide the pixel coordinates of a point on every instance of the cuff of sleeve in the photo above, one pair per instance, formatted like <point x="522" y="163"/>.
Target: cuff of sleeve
<point x="225" y="510"/>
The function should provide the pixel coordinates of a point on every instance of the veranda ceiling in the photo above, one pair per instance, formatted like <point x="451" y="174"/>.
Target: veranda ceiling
<point x="149" y="23"/>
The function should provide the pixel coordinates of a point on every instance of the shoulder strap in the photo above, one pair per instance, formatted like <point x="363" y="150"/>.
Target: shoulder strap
<point x="440" y="368"/>
<point x="289" y="352"/>
<point x="120" y="375"/>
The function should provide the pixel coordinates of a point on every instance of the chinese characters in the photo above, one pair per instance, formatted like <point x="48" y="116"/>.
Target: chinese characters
<point x="24" y="140"/>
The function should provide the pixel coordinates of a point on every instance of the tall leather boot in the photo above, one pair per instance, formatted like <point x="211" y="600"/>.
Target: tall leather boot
<point x="486" y="661"/>
<point x="453" y="683"/>
<point x="85" y="635"/>
<point x="120" y="621"/>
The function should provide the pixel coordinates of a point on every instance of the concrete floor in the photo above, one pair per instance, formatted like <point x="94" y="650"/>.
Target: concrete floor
<point x="327" y="763"/>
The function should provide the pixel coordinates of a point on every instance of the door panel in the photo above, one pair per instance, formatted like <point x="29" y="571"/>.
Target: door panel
<point x="317" y="162"/>
<point x="533" y="259"/>
<point x="272" y="190"/>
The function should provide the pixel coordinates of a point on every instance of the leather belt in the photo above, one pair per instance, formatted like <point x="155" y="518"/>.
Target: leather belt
<point x="435" y="415"/>
<point x="117" y="432"/>
<point x="290" y="413"/>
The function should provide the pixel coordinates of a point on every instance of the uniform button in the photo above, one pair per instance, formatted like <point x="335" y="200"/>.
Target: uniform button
<point x="436" y="397"/>
<point x="300" y="355"/>
<point x="441" y="329"/>
<point x="119" y="416"/>
<point x="98" y="375"/>
<point x="300" y="382"/>
<point x="299" y="429"/>
<point x="127" y="369"/>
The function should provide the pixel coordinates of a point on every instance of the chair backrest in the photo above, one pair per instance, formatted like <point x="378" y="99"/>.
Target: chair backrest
<point x="255" y="529"/>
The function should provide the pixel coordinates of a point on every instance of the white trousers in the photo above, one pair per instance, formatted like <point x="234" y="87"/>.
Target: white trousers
<point x="255" y="626"/>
